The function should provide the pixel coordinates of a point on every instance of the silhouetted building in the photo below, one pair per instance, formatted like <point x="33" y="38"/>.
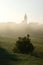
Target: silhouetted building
<point x="25" y="18"/>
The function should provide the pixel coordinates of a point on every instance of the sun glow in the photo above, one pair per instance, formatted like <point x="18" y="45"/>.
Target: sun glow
<point x="14" y="10"/>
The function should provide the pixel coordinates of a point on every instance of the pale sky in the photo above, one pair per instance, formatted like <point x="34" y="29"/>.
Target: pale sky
<point x="14" y="10"/>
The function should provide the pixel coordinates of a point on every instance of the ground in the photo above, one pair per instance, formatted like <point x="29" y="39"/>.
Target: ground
<point x="23" y="59"/>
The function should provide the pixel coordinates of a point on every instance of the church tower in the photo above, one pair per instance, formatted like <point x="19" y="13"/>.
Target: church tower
<point x="25" y="19"/>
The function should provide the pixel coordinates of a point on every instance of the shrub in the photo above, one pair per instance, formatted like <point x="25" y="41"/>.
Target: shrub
<point x="24" y="45"/>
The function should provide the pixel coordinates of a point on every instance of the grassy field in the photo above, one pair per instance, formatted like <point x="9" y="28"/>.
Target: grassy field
<point x="27" y="60"/>
<point x="9" y="43"/>
<point x="23" y="59"/>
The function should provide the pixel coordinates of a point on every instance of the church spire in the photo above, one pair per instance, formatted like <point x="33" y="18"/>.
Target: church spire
<point x="25" y="18"/>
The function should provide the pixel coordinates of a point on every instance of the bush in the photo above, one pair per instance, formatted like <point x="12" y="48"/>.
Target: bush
<point x="24" y="45"/>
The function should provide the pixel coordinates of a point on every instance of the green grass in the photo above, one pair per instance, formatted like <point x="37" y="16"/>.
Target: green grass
<point x="27" y="60"/>
<point x="9" y="43"/>
<point x="23" y="59"/>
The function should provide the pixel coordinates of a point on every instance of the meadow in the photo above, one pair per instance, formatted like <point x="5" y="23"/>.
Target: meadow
<point x="24" y="59"/>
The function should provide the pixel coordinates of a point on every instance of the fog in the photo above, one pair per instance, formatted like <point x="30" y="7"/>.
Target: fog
<point x="12" y="29"/>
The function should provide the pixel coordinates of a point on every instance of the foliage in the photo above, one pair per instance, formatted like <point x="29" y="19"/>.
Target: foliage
<point x="24" y="45"/>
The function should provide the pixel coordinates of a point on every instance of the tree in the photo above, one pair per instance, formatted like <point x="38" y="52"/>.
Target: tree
<point x="24" y="45"/>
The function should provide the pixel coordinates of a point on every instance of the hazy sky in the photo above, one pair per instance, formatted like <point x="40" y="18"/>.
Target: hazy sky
<point x="14" y="10"/>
